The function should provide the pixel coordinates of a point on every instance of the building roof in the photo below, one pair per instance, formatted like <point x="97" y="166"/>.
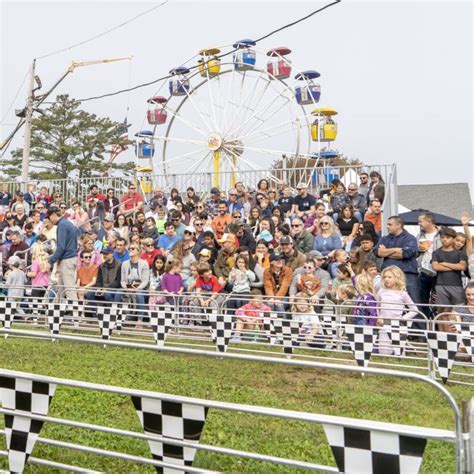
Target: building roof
<point x="450" y="199"/>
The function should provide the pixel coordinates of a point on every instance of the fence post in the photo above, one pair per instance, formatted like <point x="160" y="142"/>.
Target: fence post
<point x="468" y="433"/>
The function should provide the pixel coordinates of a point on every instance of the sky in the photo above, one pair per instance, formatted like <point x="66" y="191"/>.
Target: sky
<point x="399" y="73"/>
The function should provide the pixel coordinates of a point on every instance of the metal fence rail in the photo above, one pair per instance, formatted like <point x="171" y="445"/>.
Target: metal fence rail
<point x="152" y="408"/>
<point x="181" y="322"/>
<point x="317" y="178"/>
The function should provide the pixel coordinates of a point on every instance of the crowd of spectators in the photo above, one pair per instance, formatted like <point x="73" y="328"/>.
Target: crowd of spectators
<point x="252" y="250"/>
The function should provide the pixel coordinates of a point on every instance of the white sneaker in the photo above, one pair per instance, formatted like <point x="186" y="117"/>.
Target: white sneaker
<point x="235" y="339"/>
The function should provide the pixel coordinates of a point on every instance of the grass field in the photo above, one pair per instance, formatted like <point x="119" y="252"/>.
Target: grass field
<point x="317" y="391"/>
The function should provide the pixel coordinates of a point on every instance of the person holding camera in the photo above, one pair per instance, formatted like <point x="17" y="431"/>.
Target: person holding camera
<point x="135" y="278"/>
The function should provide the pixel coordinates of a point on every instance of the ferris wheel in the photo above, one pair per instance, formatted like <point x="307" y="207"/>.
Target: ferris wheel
<point x="235" y="115"/>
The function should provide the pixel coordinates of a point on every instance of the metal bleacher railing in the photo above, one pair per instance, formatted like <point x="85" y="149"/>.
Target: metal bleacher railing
<point x="167" y="328"/>
<point x="316" y="178"/>
<point x="398" y="343"/>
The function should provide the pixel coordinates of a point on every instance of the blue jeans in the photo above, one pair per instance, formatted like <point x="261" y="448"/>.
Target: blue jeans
<point x="413" y="289"/>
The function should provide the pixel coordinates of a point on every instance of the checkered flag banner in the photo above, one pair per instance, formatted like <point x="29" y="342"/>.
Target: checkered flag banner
<point x="361" y="339"/>
<point x="444" y="347"/>
<point x="287" y="330"/>
<point x="374" y="452"/>
<point x="161" y="320"/>
<point x="107" y="317"/>
<point x="398" y="335"/>
<point x="21" y="433"/>
<point x="467" y="332"/>
<point x="176" y="420"/>
<point x="76" y="308"/>
<point x="7" y="312"/>
<point x="221" y="328"/>
<point x="268" y="327"/>
<point x="37" y="306"/>
<point x="55" y="314"/>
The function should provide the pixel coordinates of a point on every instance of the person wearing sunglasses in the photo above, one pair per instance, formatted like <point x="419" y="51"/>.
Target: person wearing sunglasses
<point x="86" y="275"/>
<point x="311" y="266"/>
<point x="327" y="239"/>
<point x="233" y="203"/>
<point x="135" y="278"/>
<point x="132" y="201"/>
<point x="302" y="239"/>
<point x="303" y="203"/>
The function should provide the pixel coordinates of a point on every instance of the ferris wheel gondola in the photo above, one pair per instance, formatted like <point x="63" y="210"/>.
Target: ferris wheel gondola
<point x="228" y="116"/>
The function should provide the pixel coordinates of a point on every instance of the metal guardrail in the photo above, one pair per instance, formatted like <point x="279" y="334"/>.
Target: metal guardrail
<point x="317" y="178"/>
<point x="182" y="322"/>
<point x="152" y="407"/>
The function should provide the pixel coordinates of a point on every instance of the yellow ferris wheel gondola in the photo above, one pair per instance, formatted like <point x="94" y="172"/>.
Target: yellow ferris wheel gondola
<point x="324" y="129"/>
<point x="209" y="64"/>
<point x="143" y="180"/>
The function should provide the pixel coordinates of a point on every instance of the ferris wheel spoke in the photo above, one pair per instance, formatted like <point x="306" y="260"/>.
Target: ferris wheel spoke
<point x="198" y="165"/>
<point x="226" y="101"/>
<point x="261" y="95"/>
<point x="259" y="122"/>
<point x="287" y="99"/>
<point x="186" y="122"/>
<point x="179" y="140"/>
<point x="185" y="155"/>
<point x="209" y="88"/>
<point x="198" y="110"/>
<point x="240" y="106"/>
<point x="273" y="127"/>
<point x="249" y="100"/>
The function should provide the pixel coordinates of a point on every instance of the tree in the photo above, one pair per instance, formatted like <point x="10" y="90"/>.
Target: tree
<point x="67" y="142"/>
<point x="295" y="169"/>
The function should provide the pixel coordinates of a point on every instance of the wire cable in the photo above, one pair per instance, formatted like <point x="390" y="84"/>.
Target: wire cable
<point x="121" y="25"/>
<point x="145" y="84"/>
<point x="16" y="96"/>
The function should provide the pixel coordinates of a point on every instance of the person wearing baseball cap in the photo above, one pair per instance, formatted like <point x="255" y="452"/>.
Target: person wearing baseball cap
<point x="108" y="279"/>
<point x="107" y="226"/>
<point x="293" y="257"/>
<point x="276" y="282"/>
<point x="303" y="204"/>
<point x="225" y="259"/>
<point x="213" y="202"/>
<point x="66" y="251"/>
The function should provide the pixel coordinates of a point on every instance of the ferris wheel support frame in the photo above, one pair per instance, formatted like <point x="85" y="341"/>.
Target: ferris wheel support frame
<point x="233" y="157"/>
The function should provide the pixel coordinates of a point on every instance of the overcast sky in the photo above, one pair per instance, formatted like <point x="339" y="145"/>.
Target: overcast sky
<point x="399" y="73"/>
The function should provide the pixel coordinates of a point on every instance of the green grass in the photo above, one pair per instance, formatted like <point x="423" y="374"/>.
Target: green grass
<point x="318" y="391"/>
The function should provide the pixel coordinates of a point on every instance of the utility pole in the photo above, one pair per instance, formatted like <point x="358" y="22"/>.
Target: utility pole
<point x="25" y="163"/>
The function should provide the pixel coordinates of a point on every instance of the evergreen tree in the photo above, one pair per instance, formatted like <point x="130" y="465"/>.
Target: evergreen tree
<point x="67" y="142"/>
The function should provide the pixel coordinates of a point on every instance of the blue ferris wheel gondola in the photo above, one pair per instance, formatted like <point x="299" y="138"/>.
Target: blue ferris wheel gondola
<point x="326" y="155"/>
<point x="245" y="56"/>
<point x="308" y="92"/>
<point x="179" y="83"/>
<point x="144" y="147"/>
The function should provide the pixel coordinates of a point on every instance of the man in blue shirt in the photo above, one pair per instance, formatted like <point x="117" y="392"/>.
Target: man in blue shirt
<point x="303" y="204"/>
<point x="121" y="252"/>
<point x="66" y="251"/>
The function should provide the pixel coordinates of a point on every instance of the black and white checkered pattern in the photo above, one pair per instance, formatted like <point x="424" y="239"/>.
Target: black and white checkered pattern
<point x="55" y="313"/>
<point x="107" y="317"/>
<point x="74" y="308"/>
<point x="467" y="332"/>
<point x="268" y="327"/>
<point x="374" y="452"/>
<point x="7" y="312"/>
<point x="21" y="433"/>
<point x="221" y="328"/>
<point x="161" y="320"/>
<point x="287" y="331"/>
<point x="398" y="335"/>
<point x="361" y="339"/>
<point x="179" y="421"/>
<point x="37" y="306"/>
<point x="444" y="347"/>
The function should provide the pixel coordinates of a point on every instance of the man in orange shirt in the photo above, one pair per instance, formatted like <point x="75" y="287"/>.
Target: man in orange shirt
<point x="374" y="215"/>
<point x="222" y="220"/>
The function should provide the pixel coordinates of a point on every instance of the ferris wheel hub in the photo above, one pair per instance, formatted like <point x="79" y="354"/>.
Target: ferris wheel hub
<point x="214" y="141"/>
